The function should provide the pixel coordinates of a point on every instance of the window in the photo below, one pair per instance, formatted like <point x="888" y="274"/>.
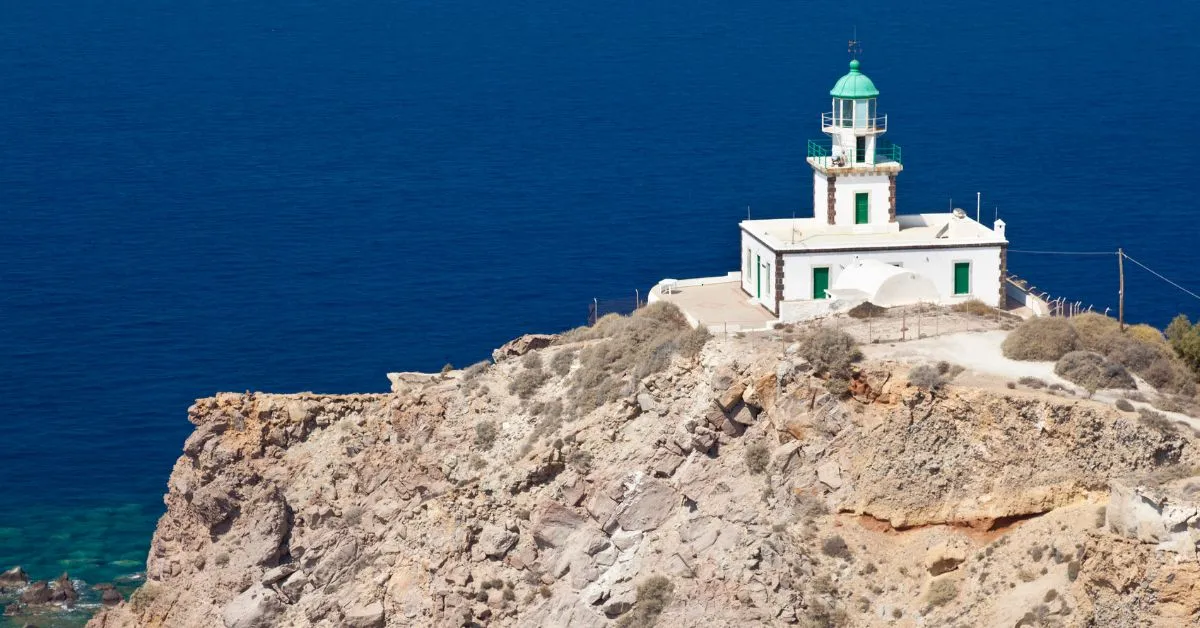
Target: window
<point x="962" y="278"/>
<point x="871" y="113"/>
<point x="847" y="112"/>
<point x="860" y="150"/>
<point x="746" y="266"/>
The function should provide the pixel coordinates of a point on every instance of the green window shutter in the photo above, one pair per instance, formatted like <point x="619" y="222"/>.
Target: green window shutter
<point x="862" y="208"/>
<point x="820" y="282"/>
<point x="962" y="278"/>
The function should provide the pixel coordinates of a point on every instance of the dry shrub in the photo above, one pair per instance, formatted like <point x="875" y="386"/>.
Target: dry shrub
<point x="941" y="592"/>
<point x="1124" y="406"/>
<point x="866" y="309"/>
<point x="1031" y="382"/>
<point x="1147" y="334"/>
<point x="829" y="351"/>
<point x="1092" y="371"/>
<point x="1041" y="339"/>
<point x="631" y="349"/>
<point x="532" y="360"/>
<point x="1140" y="348"/>
<point x="975" y="307"/>
<point x="485" y="435"/>
<point x="653" y="596"/>
<point x="757" y="458"/>
<point x="1156" y="421"/>
<point x="561" y="363"/>
<point x="928" y="377"/>
<point x="527" y="382"/>
<point x="835" y="547"/>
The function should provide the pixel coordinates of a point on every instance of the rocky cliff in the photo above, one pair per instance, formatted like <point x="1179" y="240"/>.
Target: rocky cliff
<point x="635" y="473"/>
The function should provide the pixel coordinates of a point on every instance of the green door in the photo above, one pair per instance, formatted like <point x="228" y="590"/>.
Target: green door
<point x="758" y="276"/>
<point x="861" y="208"/>
<point x="962" y="278"/>
<point x="820" y="282"/>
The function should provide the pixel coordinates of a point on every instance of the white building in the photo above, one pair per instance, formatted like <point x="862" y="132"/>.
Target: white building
<point x="856" y="247"/>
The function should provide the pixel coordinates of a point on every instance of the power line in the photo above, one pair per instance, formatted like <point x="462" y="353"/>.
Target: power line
<point x="1063" y="252"/>
<point x="1152" y="272"/>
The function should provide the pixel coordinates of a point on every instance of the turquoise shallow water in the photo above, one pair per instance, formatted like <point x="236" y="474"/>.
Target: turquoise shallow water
<point x="299" y="195"/>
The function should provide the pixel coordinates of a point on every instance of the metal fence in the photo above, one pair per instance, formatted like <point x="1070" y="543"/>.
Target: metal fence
<point x="623" y="306"/>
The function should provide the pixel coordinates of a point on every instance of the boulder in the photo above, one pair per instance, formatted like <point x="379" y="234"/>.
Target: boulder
<point x="653" y="504"/>
<point x="741" y="414"/>
<point x="369" y="616"/>
<point x="15" y="577"/>
<point x="494" y="541"/>
<point x="730" y="397"/>
<point x="256" y="607"/>
<point x="830" y="474"/>
<point x="63" y="591"/>
<point x="37" y="593"/>
<point x="520" y="346"/>
<point x="553" y="523"/>
<point x="943" y="558"/>
<point x="111" y="597"/>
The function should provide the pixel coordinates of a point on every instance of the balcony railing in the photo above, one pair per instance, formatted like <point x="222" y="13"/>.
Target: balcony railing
<point x="822" y="152"/>
<point x="830" y="123"/>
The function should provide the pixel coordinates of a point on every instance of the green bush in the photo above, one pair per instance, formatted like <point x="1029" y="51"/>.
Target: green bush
<point x="1185" y="340"/>
<point x="1092" y="371"/>
<point x="1124" y="406"/>
<point x="1041" y="339"/>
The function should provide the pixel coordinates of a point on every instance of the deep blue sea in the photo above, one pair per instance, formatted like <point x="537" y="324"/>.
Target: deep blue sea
<point x="297" y="195"/>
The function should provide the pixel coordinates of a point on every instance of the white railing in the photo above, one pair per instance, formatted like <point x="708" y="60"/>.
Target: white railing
<point x="831" y="122"/>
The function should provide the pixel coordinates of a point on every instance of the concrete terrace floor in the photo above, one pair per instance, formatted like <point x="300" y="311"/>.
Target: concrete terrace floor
<point x="719" y="306"/>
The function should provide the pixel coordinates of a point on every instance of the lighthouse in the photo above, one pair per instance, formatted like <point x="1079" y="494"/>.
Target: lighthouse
<point x="855" y="169"/>
<point x="855" y="246"/>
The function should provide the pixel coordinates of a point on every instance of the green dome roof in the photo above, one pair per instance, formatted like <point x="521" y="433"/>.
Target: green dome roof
<point x="854" y="85"/>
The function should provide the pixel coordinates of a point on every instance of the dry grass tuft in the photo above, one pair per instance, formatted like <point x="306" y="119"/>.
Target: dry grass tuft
<point x="1041" y="339"/>
<point x="829" y="351"/>
<point x="630" y="348"/>
<point x="653" y="596"/>
<point x="1092" y="371"/>
<point x="866" y="309"/>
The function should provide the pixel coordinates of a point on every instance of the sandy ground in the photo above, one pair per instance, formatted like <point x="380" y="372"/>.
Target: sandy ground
<point x="978" y="352"/>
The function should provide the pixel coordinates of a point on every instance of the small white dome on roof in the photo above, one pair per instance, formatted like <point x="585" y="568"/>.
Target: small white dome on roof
<point x="886" y="285"/>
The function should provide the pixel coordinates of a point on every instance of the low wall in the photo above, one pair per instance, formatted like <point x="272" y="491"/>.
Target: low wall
<point x="1035" y="303"/>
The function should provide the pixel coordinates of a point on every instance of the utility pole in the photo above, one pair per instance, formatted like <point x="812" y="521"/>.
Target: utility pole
<point x="1121" y="290"/>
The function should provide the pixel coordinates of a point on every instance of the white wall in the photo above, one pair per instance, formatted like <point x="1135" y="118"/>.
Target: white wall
<point x="759" y="254"/>
<point x="846" y="186"/>
<point x="936" y="264"/>
<point x="820" y="197"/>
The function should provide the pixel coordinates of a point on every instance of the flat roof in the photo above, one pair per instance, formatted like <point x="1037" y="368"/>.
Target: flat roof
<point x="915" y="231"/>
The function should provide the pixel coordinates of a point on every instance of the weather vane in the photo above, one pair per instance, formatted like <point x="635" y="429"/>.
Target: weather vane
<point x="855" y="46"/>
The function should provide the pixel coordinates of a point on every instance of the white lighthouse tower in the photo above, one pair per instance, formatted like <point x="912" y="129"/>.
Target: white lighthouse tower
<point x="854" y="171"/>
<point x="855" y="248"/>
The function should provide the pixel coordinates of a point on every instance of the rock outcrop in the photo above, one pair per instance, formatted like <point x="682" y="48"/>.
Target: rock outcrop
<point x="762" y="498"/>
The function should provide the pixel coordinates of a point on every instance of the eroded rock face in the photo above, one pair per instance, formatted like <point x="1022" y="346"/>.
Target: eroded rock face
<point x="760" y="496"/>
